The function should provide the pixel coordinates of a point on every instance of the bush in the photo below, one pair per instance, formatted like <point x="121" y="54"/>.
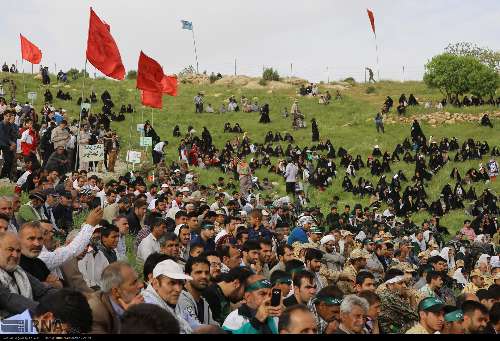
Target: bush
<point x="270" y="74"/>
<point x="132" y="74"/>
<point x="371" y="90"/>
<point x="350" y="80"/>
<point x="212" y="78"/>
<point x="262" y="82"/>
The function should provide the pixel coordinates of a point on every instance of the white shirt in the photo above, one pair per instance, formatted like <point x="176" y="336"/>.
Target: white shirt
<point x="291" y="172"/>
<point x="147" y="246"/>
<point x="54" y="259"/>
<point x="92" y="267"/>
<point x="159" y="147"/>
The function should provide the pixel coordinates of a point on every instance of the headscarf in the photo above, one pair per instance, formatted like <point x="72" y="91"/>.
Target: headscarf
<point x="450" y="260"/>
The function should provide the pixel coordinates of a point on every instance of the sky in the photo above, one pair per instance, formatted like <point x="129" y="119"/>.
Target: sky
<point x="319" y="40"/>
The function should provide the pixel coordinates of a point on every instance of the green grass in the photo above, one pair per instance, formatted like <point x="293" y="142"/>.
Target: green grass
<point x="348" y="123"/>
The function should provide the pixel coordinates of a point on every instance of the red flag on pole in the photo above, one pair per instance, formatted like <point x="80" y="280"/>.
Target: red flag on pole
<point x="149" y="74"/>
<point x="169" y="85"/>
<point x="372" y="20"/>
<point x="152" y="99"/>
<point x="102" y="51"/>
<point x="30" y="51"/>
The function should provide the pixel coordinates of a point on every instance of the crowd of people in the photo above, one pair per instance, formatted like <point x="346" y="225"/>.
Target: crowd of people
<point x="172" y="255"/>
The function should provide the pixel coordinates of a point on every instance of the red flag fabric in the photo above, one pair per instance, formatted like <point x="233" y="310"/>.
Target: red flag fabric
<point x="102" y="51"/>
<point x="30" y="51"/>
<point x="169" y="85"/>
<point x="372" y="20"/>
<point x="152" y="99"/>
<point x="149" y="74"/>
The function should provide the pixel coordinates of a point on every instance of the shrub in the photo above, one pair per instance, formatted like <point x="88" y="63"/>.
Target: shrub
<point x="132" y="74"/>
<point x="350" y="80"/>
<point x="262" y="82"/>
<point x="371" y="90"/>
<point x="270" y="74"/>
<point x="212" y="78"/>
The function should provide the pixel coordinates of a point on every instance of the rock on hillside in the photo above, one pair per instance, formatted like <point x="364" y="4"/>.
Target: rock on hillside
<point x="437" y="118"/>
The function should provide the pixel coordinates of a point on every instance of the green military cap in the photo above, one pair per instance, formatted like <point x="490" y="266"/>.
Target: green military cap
<point x="431" y="304"/>
<point x="316" y="229"/>
<point x="454" y="316"/>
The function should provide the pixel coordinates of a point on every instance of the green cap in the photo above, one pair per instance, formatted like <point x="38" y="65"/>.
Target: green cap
<point x="454" y="316"/>
<point x="328" y="300"/>
<point x="316" y="229"/>
<point x="261" y="284"/>
<point x="207" y="226"/>
<point x="431" y="304"/>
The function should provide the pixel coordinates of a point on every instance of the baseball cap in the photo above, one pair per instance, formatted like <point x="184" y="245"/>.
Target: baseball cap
<point x="170" y="269"/>
<point x="220" y="212"/>
<point x="207" y="226"/>
<point x="316" y="230"/>
<point x="431" y="304"/>
<point x="367" y="241"/>
<point x="454" y="316"/>
<point x="359" y="253"/>
<point x="476" y="272"/>
<point x="326" y="239"/>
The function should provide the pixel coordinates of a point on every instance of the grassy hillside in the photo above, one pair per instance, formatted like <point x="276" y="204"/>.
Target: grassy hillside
<point x="347" y="123"/>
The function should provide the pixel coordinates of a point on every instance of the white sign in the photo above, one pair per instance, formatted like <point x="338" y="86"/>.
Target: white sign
<point x="146" y="141"/>
<point x="86" y="106"/>
<point x="140" y="128"/>
<point x="133" y="156"/>
<point x="93" y="152"/>
<point x="32" y="96"/>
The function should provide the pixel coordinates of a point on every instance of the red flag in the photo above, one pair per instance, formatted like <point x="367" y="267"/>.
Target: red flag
<point x="372" y="20"/>
<point x="102" y="51"/>
<point x="169" y="85"/>
<point x="29" y="51"/>
<point x="152" y="99"/>
<point x="149" y="74"/>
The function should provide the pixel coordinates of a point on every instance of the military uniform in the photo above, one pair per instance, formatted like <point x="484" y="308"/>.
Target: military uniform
<point x="347" y="287"/>
<point x="470" y="288"/>
<point x="417" y="329"/>
<point x="396" y="316"/>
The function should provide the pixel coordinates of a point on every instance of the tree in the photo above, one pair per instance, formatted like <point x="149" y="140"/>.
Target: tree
<point x="484" y="55"/>
<point x="270" y="74"/>
<point x="458" y="75"/>
<point x="132" y="74"/>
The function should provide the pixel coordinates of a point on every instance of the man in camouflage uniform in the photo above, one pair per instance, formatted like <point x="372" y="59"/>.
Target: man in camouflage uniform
<point x="476" y="282"/>
<point x="396" y="316"/>
<point x="357" y="262"/>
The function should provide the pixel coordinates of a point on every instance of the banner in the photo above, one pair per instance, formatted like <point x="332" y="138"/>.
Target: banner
<point x="93" y="152"/>
<point x="133" y="156"/>
<point x="146" y="141"/>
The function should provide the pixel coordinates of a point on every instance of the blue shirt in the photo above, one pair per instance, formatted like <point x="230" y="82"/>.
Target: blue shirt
<point x="208" y="245"/>
<point x="298" y="235"/>
<point x="58" y="117"/>
<point x="262" y="232"/>
<point x="18" y="324"/>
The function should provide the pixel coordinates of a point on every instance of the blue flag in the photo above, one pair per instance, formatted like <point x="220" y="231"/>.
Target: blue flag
<point x="187" y="25"/>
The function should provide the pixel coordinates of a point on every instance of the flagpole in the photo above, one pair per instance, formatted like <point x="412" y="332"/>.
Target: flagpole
<point x="77" y="161"/>
<point x="24" y="76"/>
<point x="376" y="51"/>
<point x="195" y="52"/>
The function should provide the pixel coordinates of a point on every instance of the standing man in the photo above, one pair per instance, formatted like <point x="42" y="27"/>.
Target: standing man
<point x="198" y="103"/>
<point x="245" y="176"/>
<point x="7" y="145"/>
<point x="379" y="123"/>
<point x="291" y="172"/>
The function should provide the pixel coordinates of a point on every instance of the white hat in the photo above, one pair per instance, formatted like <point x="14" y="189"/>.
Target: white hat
<point x="326" y="239"/>
<point x="376" y="146"/>
<point x="184" y="189"/>
<point x="165" y="186"/>
<point x="304" y="220"/>
<point x="177" y="171"/>
<point x="220" y="235"/>
<point x="265" y="213"/>
<point x="177" y="229"/>
<point x="170" y="269"/>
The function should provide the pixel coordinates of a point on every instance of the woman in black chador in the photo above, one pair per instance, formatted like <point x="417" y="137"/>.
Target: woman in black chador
<point x="264" y="114"/>
<point x="315" y="130"/>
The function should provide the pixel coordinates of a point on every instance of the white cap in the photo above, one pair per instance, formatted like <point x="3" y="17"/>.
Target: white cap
<point x="304" y="220"/>
<point x="170" y="269"/>
<point x="165" y="186"/>
<point x="220" y="235"/>
<point x="326" y="239"/>
<point x="177" y="229"/>
<point x="265" y="213"/>
<point x="184" y="189"/>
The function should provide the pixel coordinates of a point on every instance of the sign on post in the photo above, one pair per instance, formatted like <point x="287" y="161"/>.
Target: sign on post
<point x="140" y="128"/>
<point x="92" y="153"/>
<point x="133" y="156"/>
<point x="86" y="106"/>
<point x="146" y="141"/>
<point x="32" y="96"/>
